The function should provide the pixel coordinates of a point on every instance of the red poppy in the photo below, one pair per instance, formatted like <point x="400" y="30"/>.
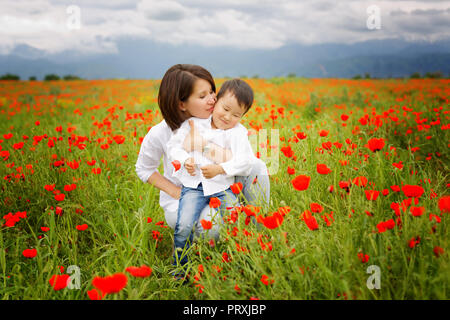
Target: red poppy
<point x="376" y="144"/>
<point x="438" y="251"/>
<point x="60" y="197"/>
<point x="265" y="280"/>
<point x="360" y="181"/>
<point x="412" y="191"/>
<point x="398" y="165"/>
<point x="237" y="289"/>
<point x="110" y="284"/>
<point x="444" y="204"/>
<point x="344" y="117"/>
<point x="363" y="257"/>
<point x="372" y="194"/>
<point x="413" y="242"/>
<point x="290" y="170"/>
<point x="345" y="185"/>
<point x="59" y="282"/>
<point x="287" y="151"/>
<point x="435" y="217"/>
<point x="323" y="169"/>
<point x="301" y="182"/>
<point x="315" y="207"/>
<point x="214" y="202"/>
<point x="236" y="187"/>
<point x="119" y="139"/>
<point x="273" y="221"/>
<point x="327" y="145"/>
<point x="385" y="225"/>
<point x="417" y="211"/>
<point x="94" y="294"/>
<point x="396" y="207"/>
<point x="206" y="224"/>
<point x="70" y="187"/>
<point x="225" y="257"/>
<point x="29" y="253"/>
<point x="328" y="218"/>
<point x="82" y="227"/>
<point x="49" y="187"/>
<point x="139" y="272"/>
<point x="176" y="164"/>
<point x="311" y="223"/>
<point x="59" y="211"/>
<point x="18" y="145"/>
<point x="323" y="133"/>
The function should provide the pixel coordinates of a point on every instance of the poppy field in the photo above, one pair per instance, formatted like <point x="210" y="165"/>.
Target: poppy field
<point x="359" y="209"/>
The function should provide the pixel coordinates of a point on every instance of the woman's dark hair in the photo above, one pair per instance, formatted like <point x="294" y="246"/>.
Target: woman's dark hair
<point x="240" y="90"/>
<point x="176" y="86"/>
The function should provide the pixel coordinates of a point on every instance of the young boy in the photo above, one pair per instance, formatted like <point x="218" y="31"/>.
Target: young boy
<point x="202" y="179"/>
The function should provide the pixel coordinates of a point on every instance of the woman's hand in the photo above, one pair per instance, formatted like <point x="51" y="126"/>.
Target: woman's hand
<point x="194" y="141"/>
<point x="176" y="193"/>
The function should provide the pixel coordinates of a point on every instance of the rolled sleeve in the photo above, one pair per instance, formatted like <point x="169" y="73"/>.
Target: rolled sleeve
<point x="242" y="154"/>
<point x="149" y="156"/>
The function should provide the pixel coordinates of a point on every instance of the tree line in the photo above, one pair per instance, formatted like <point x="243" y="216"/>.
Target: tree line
<point x="47" y="77"/>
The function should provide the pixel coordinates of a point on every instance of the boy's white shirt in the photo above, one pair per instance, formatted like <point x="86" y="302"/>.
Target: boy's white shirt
<point x="235" y="139"/>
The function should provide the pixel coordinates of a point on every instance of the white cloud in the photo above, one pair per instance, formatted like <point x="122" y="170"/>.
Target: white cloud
<point x="252" y="24"/>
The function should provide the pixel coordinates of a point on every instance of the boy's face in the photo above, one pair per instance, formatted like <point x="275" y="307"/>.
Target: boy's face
<point x="227" y="112"/>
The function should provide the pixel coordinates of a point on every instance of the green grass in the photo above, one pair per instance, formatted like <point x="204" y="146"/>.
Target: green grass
<point x="303" y="264"/>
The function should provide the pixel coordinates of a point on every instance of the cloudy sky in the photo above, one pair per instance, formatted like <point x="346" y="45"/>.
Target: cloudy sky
<point x="89" y="27"/>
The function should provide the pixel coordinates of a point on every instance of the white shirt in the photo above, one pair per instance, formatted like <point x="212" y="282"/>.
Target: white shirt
<point x="234" y="139"/>
<point x="153" y="148"/>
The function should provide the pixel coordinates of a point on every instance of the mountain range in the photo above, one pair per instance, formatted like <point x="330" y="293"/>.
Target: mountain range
<point x="139" y="59"/>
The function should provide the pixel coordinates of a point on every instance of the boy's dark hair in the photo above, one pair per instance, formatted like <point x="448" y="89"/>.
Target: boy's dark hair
<point x="176" y="86"/>
<point x="240" y="90"/>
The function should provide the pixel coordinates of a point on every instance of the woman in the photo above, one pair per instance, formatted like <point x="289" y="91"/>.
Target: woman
<point x="188" y="91"/>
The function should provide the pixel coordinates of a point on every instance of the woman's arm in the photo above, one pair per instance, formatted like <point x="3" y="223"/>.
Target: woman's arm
<point x="160" y="182"/>
<point x="149" y="159"/>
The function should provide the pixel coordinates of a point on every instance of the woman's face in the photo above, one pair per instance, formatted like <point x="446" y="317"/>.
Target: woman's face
<point x="201" y="102"/>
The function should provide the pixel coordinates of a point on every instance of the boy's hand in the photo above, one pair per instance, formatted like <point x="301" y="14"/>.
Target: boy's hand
<point x="190" y="166"/>
<point x="212" y="170"/>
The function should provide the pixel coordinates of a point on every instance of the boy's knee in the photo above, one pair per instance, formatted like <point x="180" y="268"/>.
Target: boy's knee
<point x="259" y="168"/>
<point x="183" y="230"/>
<point x="171" y="218"/>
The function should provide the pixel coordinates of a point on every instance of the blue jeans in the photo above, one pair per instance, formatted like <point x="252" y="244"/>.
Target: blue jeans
<point x="192" y="202"/>
<point x="256" y="186"/>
